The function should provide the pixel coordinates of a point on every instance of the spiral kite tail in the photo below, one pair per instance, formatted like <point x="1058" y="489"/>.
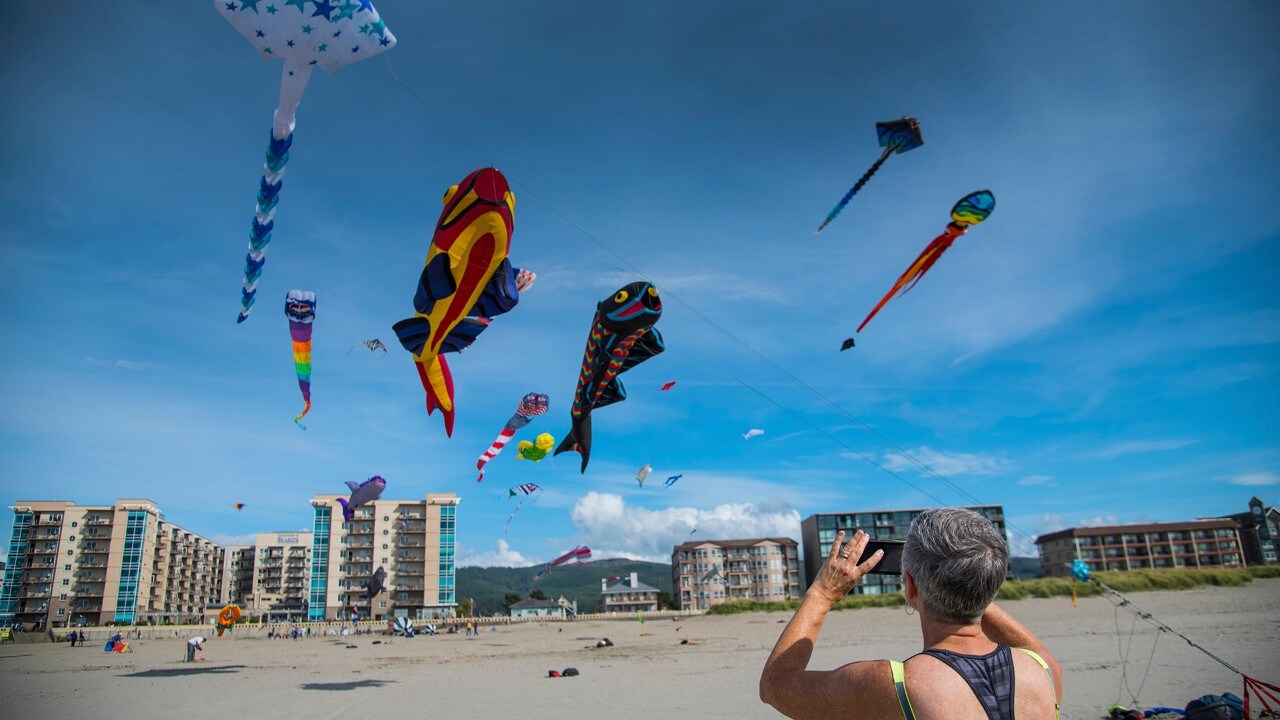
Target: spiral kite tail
<point x="297" y="418"/>
<point x="263" y="219"/>
<point x="496" y="447"/>
<point x="856" y="187"/>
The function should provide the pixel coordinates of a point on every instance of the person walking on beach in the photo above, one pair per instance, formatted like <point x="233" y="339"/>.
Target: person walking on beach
<point x="978" y="662"/>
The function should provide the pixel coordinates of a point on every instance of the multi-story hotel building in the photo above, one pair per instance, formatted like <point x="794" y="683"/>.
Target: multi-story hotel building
<point x="817" y="532"/>
<point x="413" y="540"/>
<point x="281" y="574"/>
<point x="186" y="576"/>
<point x="93" y="565"/>
<point x="237" y="575"/>
<point x="711" y="572"/>
<point x="1190" y="544"/>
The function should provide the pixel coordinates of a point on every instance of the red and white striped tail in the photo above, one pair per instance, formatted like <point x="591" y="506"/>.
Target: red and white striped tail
<point x="503" y="438"/>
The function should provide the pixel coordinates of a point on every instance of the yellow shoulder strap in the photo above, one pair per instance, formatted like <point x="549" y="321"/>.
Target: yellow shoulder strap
<point x="1036" y="656"/>
<point x="900" y="685"/>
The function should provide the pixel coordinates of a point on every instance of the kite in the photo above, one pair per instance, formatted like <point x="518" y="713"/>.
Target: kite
<point x="672" y="480"/>
<point x="466" y="282"/>
<point x="895" y="136"/>
<point x="227" y="617"/>
<point x="373" y="345"/>
<point x="667" y="386"/>
<point x="613" y="579"/>
<point x="376" y="585"/>
<point x="622" y="336"/>
<point x="238" y="506"/>
<point x="526" y="489"/>
<point x="362" y="494"/>
<point x="579" y="554"/>
<point x="300" y="308"/>
<point x="847" y="344"/>
<point x="537" y="449"/>
<point x="530" y="407"/>
<point x="753" y="432"/>
<point x="643" y="473"/>
<point x="971" y="210"/>
<point x="334" y="35"/>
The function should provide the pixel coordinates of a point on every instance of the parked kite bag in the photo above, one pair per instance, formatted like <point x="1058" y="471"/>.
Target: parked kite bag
<point x="1216" y="707"/>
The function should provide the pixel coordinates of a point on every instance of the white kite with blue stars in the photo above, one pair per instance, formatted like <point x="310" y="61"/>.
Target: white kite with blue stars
<point x="304" y="34"/>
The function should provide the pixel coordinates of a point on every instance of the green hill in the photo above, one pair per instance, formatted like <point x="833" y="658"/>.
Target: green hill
<point x="489" y="586"/>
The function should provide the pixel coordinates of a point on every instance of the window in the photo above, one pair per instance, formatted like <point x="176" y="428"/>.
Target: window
<point x="383" y="604"/>
<point x="65" y="582"/>
<point x="386" y="518"/>
<point x="384" y="547"/>
<point x="62" y="611"/>
<point x="66" y="567"/>
<point x="70" y="552"/>
<point x="386" y="532"/>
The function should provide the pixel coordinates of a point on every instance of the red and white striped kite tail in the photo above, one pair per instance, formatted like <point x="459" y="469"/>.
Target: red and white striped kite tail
<point x="503" y="438"/>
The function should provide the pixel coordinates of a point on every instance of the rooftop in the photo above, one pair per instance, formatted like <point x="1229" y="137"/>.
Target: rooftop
<point x="534" y="604"/>
<point x="736" y="543"/>
<point x="1138" y="528"/>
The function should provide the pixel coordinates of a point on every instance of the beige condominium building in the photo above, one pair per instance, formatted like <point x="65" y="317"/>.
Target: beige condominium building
<point x="281" y="574"/>
<point x="1189" y="544"/>
<point x="97" y="564"/>
<point x="237" y="575"/>
<point x="711" y="572"/>
<point x="413" y="540"/>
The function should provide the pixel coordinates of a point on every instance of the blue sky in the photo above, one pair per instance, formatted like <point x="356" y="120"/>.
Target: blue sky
<point x="1104" y="348"/>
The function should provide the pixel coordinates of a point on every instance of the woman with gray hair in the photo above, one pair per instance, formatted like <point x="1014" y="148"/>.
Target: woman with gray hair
<point x="953" y="563"/>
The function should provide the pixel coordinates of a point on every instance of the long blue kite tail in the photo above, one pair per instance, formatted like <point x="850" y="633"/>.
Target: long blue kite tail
<point x="856" y="187"/>
<point x="263" y="220"/>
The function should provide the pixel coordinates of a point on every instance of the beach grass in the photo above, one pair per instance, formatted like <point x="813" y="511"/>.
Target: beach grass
<point x="1131" y="581"/>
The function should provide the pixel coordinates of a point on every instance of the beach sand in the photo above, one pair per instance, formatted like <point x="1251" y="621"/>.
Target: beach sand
<point x="648" y="674"/>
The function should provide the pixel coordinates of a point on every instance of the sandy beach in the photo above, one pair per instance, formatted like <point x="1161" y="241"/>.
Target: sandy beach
<point x="647" y="674"/>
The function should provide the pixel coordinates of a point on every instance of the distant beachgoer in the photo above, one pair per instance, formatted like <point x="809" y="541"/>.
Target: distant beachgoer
<point x="73" y="637"/>
<point x="953" y="563"/>
<point x="469" y="629"/>
<point x="194" y="644"/>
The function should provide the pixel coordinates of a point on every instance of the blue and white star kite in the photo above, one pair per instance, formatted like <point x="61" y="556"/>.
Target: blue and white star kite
<point x="287" y="33"/>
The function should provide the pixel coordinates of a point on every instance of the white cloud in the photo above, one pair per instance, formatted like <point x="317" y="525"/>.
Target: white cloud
<point x="611" y="529"/>
<point x="1032" y="480"/>
<point x="504" y="556"/>
<point x="225" y="539"/>
<point x="948" y="464"/>
<point x="1258" y="478"/>
<point x="1133" y="447"/>
<point x="122" y="364"/>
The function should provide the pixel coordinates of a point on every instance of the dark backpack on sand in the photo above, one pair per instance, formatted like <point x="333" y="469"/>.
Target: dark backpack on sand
<point x="1216" y="707"/>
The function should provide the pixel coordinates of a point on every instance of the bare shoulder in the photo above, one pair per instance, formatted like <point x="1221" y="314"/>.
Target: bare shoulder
<point x="1035" y="693"/>
<point x="937" y="691"/>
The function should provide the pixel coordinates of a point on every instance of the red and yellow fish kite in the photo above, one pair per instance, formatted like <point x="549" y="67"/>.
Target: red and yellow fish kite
<point x="467" y="281"/>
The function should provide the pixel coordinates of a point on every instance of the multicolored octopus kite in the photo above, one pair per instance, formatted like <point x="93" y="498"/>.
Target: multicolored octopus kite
<point x="895" y="136"/>
<point x="334" y="35"/>
<point x="300" y="308"/>
<point x="467" y="281"/>
<point x="971" y="210"/>
<point x="622" y="336"/>
<point x="530" y="407"/>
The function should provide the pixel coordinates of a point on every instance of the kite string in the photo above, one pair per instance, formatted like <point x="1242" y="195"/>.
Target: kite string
<point x="716" y="326"/>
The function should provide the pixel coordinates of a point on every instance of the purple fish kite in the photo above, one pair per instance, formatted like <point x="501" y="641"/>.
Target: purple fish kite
<point x="362" y="494"/>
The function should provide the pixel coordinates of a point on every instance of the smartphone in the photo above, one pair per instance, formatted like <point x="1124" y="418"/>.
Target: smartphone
<point x="891" y="563"/>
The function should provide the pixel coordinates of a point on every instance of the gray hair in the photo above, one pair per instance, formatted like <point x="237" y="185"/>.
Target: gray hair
<point x="958" y="561"/>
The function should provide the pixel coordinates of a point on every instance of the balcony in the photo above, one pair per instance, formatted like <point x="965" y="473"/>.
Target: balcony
<point x="409" y="570"/>
<point x="408" y="542"/>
